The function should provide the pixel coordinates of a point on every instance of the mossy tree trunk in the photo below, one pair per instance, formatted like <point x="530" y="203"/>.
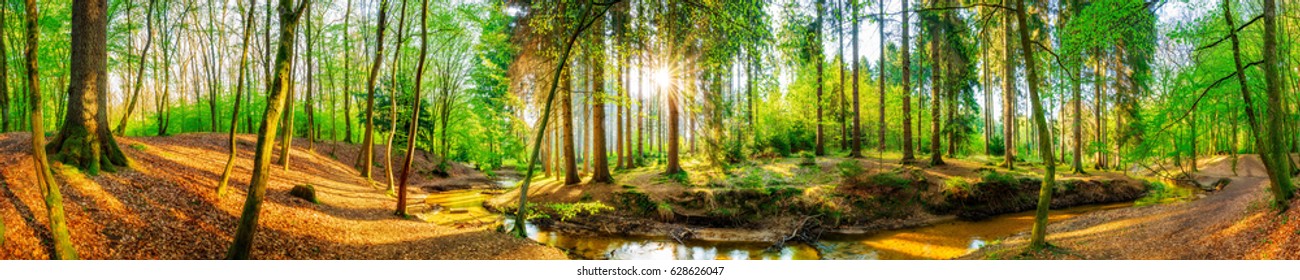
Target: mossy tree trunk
<point x="1280" y="179"/>
<point x="85" y="141"/>
<point x="63" y="249"/>
<point x="1038" y="238"/>
<point x="243" y="243"/>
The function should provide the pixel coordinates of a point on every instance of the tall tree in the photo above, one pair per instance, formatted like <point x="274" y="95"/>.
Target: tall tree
<point x="936" y="92"/>
<point x="908" y="157"/>
<point x="84" y="141"/>
<point x="596" y="53"/>
<point x="4" y="88"/>
<point x="63" y="248"/>
<point x="1280" y="179"/>
<point x="880" y="22"/>
<point x="855" y="149"/>
<point x="415" y="109"/>
<point x="239" y="95"/>
<point x="584" y="22"/>
<point x="392" y="95"/>
<point x="566" y="110"/>
<point x="368" y="140"/>
<point x="1008" y="94"/>
<point x="275" y="105"/>
<point x="1038" y="238"/>
<point x="820" y="145"/>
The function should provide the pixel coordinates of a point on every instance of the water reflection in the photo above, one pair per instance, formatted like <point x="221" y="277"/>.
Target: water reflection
<point x="637" y="248"/>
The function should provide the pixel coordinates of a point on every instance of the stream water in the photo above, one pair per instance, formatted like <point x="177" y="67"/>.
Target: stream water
<point x="944" y="240"/>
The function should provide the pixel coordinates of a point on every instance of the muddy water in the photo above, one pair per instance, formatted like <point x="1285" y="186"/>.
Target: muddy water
<point x="944" y="240"/>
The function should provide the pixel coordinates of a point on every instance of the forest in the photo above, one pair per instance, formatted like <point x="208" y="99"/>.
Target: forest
<point x="644" y="129"/>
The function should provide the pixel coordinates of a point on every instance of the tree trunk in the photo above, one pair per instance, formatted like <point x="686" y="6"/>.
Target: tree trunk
<point x="880" y="21"/>
<point x="936" y="93"/>
<point x="392" y="97"/>
<point x="239" y="95"/>
<point x="243" y="245"/>
<point x="1280" y="184"/>
<point x="347" y="77"/>
<point x="1038" y="238"/>
<point x="139" y="72"/>
<point x="84" y="141"/>
<point x="58" y="221"/>
<point x="566" y="110"/>
<point x="368" y="140"/>
<point x="855" y="149"/>
<point x="598" y="95"/>
<point x="1008" y="95"/>
<point x="908" y="157"/>
<point x="819" y="145"/>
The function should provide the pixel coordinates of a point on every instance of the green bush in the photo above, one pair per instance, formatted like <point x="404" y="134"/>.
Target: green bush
<point x="999" y="178"/>
<point x="807" y="158"/>
<point x="849" y="168"/>
<point x="1161" y="193"/>
<point x="570" y="210"/>
<point x="957" y="186"/>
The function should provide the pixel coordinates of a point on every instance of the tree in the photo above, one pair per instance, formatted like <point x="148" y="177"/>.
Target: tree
<point x="855" y="148"/>
<point x="566" y="110"/>
<point x="289" y="16"/>
<point x="1038" y="238"/>
<point x="63" y="248"/>
<point x="239" y="95"/>
<point x="84" y="141"/>
<point x="415" y="109"/>
<point x="584" y="22"/>
<point x="821" y="141"/>
<point x="368" y="140"/>
<point x="1280" y="179"/>
<point x="392" y="96"/>
<point x="908" y="157"/>
<point x="1008" y="95"/>
<point x="936" y="93"/>
<point x="596" y="53"/>
<point x="880" y="21"/>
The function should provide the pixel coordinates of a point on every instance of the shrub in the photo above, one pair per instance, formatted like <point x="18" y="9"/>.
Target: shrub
<point x="849" y="168"/>
<point x="807" y="158"/>
<point x="958" y="187"/>
<point x="998" y="178"/>
<point x="570" y="210"/>
<point x="1161" y="193"/>
<point x="665" y="211"/>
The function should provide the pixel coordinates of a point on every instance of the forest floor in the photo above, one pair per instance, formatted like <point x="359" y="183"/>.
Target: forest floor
<point x="1233" y="223"/>
<point x="166" y="207"/>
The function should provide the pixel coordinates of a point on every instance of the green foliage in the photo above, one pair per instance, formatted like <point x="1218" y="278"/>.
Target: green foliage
<point x="567" y="211"/>
<point x="998" y="178"/>
<point x="1161" y="193"/>
<point x="849" y="168"/>
<point x="958" y="186"/>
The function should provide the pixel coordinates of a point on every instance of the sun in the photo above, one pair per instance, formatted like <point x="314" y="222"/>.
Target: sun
<point x="661" y="76"/>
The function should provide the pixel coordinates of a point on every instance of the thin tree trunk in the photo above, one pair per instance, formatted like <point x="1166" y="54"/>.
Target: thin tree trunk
<point x="392" y="97"/>
<point x="566" y="110"/>
<point x="139" y="72"/>
<point x="908" y="157"/>
<point x="882" y="65"/>
<point x="820" y="144"/>
<point x="368" y="140"/>
<point x="415" y="109"/>
<point x="58" y="221"/>
<point x="239" y="95"/>
<point x="855" y="147"/>
<point x="936" y="93"/>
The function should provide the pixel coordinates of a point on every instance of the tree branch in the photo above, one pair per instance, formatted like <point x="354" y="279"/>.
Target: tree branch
<point x="1238" y="30"/>
<point x="1204" y="92"/>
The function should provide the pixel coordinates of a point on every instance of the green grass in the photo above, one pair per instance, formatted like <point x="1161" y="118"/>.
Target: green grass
<point x="1161" y="193"/>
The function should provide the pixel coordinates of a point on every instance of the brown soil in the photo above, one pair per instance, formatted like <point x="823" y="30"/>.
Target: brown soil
<point x="1234" y="223"/>
<point x="165" y="207"/>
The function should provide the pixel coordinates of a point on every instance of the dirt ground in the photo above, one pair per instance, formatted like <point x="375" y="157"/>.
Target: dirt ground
<point x="166" y="207"/>
<point x="1234" y="223"/>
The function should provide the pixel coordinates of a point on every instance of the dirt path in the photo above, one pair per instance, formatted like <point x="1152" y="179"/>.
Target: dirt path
<point x="166" y="208"/>
<point x="1234" y="223"/>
